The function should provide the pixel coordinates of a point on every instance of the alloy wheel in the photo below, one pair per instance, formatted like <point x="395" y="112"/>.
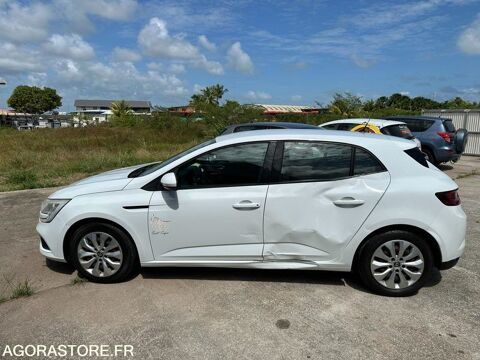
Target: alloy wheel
<point x="100" y="254"/>
<point x="397" y="264"/>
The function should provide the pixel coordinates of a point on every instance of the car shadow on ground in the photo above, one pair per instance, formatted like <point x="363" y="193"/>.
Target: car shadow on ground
<point x="59" y="267"/>
<point x="445" y="167"/>
<point x="261" y="275"/>
<point x="230" y="274"/>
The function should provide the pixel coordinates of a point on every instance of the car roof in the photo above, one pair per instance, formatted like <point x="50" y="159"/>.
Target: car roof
<point x="288" y="125"/>
<point x="381" y="123"/>
<point x="418" y="117"/>
<point x="354" y="138"/>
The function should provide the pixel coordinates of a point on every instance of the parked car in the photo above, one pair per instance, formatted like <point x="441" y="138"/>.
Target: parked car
<point x="265" y="126"/>
<point x="282" y="199"/>
<point x="441" y="142"/>
<point x="375" y="126"/>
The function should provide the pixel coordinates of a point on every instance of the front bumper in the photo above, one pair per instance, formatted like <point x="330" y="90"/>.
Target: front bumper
<point x="52" y="245"/>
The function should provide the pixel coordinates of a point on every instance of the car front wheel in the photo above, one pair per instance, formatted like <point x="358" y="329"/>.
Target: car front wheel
<point x="395" y="263"/>
<point x="103" y="253"/>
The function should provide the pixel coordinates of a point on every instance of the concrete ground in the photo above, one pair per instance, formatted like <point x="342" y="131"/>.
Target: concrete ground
<point x="230" y="314"/>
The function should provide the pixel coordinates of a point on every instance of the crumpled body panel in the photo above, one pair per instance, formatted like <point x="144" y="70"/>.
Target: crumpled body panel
<point x="302" y="222"/>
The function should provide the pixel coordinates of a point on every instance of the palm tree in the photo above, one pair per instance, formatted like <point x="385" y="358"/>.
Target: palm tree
<point x="120" y="108"/>
<point x="211" y="95"/>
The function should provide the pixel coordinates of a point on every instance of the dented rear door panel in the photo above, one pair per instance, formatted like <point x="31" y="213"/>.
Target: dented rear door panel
<point x="307" y="222"/>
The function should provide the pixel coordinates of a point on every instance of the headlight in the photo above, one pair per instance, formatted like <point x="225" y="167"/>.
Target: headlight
<point x="50" y="209"/>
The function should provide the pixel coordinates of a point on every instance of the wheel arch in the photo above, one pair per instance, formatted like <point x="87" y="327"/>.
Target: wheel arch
<point x="68" y="235"/>
<point x="431" y="241"/>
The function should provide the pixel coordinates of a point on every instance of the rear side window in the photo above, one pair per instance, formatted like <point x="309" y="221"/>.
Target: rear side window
<point x="417" y="155"/>
<point x="449" y="127"/>
<point x="331" y="127"/>
<point x="401" y="131"/>
<point x="346" y="127"/>
<point x="314" y="161"/>
<point x="365" y="163"/>
<point x="418" y="125"/>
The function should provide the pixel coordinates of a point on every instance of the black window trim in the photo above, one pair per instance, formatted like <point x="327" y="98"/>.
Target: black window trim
<point x="278" y="162"/>
<point x="155" y="184"/>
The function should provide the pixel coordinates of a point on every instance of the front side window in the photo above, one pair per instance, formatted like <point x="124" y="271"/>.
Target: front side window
<point x="314" y="161"/>
<point x="229" y="166"/>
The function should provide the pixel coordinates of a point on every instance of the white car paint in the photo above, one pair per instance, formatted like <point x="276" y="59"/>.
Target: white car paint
<point x="292" y="225"/>
<point x="380" y="123"/>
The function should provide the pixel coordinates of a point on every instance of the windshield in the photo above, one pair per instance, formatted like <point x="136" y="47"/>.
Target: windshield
<point x="400" y="130"/>
<point x="148" y="169"/>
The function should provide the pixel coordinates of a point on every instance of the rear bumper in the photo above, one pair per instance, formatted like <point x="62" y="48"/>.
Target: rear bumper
<point x="447" y="154"/>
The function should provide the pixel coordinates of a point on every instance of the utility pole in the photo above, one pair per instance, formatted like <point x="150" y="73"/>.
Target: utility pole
<point x="2" y="82"/>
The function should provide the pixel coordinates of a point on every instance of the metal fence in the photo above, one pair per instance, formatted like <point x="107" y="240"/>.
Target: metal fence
<point x="467" y="119"/>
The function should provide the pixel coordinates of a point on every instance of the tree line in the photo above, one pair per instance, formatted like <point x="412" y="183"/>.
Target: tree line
<point x="36" y="100"/>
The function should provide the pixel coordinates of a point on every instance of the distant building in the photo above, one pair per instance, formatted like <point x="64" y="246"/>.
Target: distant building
<point x="288" y="109"/>
<point x="137" y="106"/>
<point x="185" y="110"/>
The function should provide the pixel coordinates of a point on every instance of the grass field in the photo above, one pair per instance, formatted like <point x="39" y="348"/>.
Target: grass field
<point x="54" y="157"/>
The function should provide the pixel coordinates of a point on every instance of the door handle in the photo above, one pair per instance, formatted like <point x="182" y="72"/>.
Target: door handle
<point x="246" y="205"/>
<point x="348" y="202"/>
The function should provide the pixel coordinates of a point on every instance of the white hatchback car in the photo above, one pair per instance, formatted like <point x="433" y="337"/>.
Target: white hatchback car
<point x="375" y="126"/>
<point x="272" y="199"/>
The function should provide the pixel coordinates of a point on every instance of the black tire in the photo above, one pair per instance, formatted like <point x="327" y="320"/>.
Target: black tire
<point x="363" y="265"/>
<point x="129" y="262"/>
<point x="430" y="157"/>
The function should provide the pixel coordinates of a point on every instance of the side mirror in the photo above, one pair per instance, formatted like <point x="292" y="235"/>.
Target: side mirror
<point x="169" y="181"/>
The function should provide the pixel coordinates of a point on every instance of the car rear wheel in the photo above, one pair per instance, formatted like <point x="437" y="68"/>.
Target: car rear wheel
<point x="395" y="263"/>
<point x="103" y="253"/>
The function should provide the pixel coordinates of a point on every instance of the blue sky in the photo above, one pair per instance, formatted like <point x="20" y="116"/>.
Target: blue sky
<point x="279" y="52"/>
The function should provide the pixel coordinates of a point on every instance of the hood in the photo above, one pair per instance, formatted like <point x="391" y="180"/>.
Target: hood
<point x="113" y="180"/>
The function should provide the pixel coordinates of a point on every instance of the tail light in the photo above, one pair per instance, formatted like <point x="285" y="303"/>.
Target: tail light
<point x="449" y="198"/>
<point x="444" y="135"/>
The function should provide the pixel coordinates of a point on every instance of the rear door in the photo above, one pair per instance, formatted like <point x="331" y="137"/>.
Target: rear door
<point x="321" y="195"/>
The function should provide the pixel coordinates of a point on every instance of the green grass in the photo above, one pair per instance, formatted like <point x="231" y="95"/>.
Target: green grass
<point x="78" y="280"/>
<point x="21" y="289"/>
<point x="54" y="157"/>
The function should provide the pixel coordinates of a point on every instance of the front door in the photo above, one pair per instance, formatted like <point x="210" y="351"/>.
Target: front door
<point x="324" y="193"/>
<point x="216" y="212"/>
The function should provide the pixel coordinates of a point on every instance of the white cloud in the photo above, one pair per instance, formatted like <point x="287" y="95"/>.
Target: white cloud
<point x="15" y="59"/>
<point x="77" y="12"/>
<point x="239" y="59"/>
<point x="203" y="40"/>
<point x="258" y="95"/>
<point x="27" y="23"/>
<point x="469" y="40"/>
<point x="213" y="67"/>
<point x="296" y="98"/>
<point x="361" y="61"/>
<point x="197" y="88"/>
<point x="156" y="41"/>
<point x="176" y="68"/>
<point x="69" y="46"/>
<point x="103" y="80"/>
<point x="154" y="66"/>
<point x="123" y="54"/>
